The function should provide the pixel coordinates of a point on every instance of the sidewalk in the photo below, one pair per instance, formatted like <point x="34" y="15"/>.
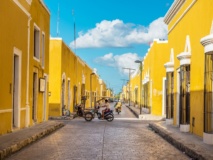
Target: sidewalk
<point x="188" y="143"/>
<point x="12" y="142"/>
<point x="143" y="116"/>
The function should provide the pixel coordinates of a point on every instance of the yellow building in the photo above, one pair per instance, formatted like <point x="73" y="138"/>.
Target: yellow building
<point x="24" y="57"/>
<point x="135" y="88"/>
<point x="153" y="80"/>
<point x="72" y="81"/>
<point x="189" y="23"/>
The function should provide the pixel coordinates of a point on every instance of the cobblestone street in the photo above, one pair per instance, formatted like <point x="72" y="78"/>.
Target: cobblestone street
<point x="120" y="139"/>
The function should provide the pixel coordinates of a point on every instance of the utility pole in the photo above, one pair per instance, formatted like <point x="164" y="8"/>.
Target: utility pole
<point x="73" y="14"/>
<point x="130" y="69"/>
<point x="123" y="86"/>
<point x="58" y="19"/>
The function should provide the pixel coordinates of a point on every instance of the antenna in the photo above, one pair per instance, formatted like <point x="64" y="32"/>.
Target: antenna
<point x="73" y="14"/>
<point x="58" y="19"/>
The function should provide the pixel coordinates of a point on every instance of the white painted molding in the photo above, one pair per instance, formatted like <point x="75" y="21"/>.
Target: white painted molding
<point x="184" y="127"/>
<point x="185" y="57"/>
<point x="173" y="10"/>
<point x="211" y="30"/>
<point x="207" y="42"/>
<point x="169" y="121"/>
<point x="45" y="6"/>
<point x="56" y="38"/>
<point x="170" y="65"/>
<point x="208" y="138"/>
<point x="21" y="7"/>
<point x="190" y="6"/>
<point x="29" y="2"/>
<point x="163" y="96"/>
<point x="5" y="110"/>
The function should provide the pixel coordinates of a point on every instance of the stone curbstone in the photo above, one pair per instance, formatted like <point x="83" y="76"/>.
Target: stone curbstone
<point x="16" y="147"/>
<point x="167" y="136"/>
<point x="135" y="113"/>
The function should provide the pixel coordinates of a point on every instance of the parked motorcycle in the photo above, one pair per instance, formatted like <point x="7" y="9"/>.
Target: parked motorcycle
<point x="91" y="114"/>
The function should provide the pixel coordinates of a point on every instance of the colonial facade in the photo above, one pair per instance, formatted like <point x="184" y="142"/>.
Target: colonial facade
<point x="189" y="35"/>
<point x="71" y="80"/>
<point x="150" y="87"/>
<point x="24" y="55"/>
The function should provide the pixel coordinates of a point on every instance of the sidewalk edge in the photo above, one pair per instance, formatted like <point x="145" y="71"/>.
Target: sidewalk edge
<point x="16" y="147"/>
<point x="164" y="134"/>
<point x="136" y="115"/>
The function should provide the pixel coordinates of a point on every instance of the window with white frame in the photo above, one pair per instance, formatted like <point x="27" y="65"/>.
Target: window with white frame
<point x="43" y="50"/>
<point x="36" y="42"/>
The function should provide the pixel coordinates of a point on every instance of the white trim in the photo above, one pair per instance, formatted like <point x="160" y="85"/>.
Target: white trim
<point x="207" y="42"/>
<point x="188" y="8"/>
<point x="18" y="52"/>
<point x="29" y="2"/>
<point x="39" y="40"/>
<point x="173" y="10"/>
<point x="44" y="117"/>
<point x="28" y="72"/>
<point x="184" y="127"/>
<point x="208" y="138"/>
<point x="5" y="110"/>
<point x="45" y="6"/>
<point x="211" y="30"/>
<point x="178" y="98"/>
<point x="163" y="96"/>
<point x="56" y="38"/>
<point x="169" y="121"/>
<point x="185" y="57"/>
<point x="43" y="49"/>
<point x="21" y="7"/>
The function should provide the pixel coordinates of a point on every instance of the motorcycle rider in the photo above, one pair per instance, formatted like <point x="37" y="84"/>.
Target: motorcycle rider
<point x="106" y="107"/>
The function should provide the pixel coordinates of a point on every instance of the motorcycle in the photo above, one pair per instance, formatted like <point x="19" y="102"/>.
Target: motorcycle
<point x="118" y="107"/>
<point x="118" y="110"/>
<point x="91" y="115"/>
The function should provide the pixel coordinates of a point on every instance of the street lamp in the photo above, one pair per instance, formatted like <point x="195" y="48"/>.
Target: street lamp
<point x="141" y="67"/>
<point x="91" y="88"/>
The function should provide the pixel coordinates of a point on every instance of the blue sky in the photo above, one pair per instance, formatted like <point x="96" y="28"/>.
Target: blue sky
<point x="110" y="34"/>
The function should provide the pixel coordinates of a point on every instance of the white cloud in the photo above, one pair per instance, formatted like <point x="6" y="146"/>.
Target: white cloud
<point x="126" y="60"/>
<point x="116" y="33"/>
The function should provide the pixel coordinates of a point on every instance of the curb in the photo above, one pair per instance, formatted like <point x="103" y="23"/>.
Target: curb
<point x="18" y="146"/>
<point x="167" y="136"/>
<point x="136" y="115"/>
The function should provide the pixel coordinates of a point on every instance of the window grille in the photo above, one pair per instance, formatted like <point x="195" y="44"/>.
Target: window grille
<point x="185" y="94"/>
<point x="208" y="94"/>
<point x="169" y="95"/>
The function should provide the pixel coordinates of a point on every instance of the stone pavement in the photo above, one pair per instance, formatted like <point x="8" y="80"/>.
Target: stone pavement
<point x="12" y="142"/>
<point x="188" y="143"/>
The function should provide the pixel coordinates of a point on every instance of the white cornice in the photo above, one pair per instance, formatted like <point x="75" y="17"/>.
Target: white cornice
<point x="184" y="13"/>
<point x="173" y="10"/>
<point x="207" y="42"/>
<point x="42" y="2"/>
<point x="185" y="58"/>
<point x="21" y="7"/>
<point x="29" y="2"/>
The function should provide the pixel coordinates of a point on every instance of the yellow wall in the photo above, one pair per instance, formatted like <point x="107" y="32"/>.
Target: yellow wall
<point x="154" y="71"/>
<point x="196" y="23"/>
<point x="14" y="39"/>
